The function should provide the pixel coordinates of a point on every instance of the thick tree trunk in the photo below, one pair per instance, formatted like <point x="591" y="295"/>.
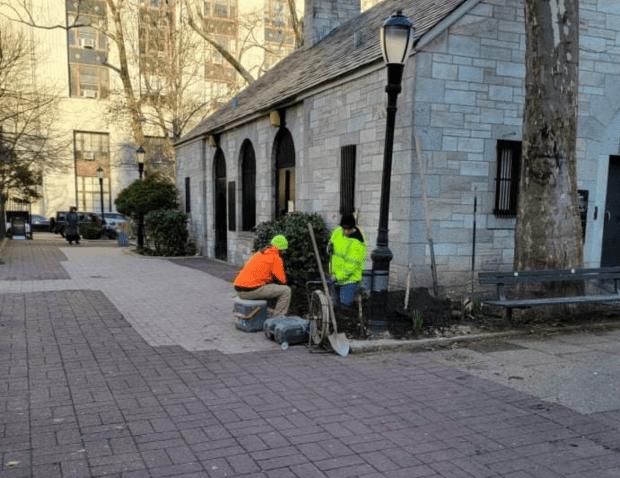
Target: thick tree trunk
<point x="548" y="232"/>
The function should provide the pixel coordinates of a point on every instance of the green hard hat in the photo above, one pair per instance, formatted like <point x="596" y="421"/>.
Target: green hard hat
<point x="280" y="242"/>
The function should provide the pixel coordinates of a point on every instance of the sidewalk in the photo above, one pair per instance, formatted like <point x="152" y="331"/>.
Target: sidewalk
<point x="168" y="304"/>
<point x="86" y="390"/>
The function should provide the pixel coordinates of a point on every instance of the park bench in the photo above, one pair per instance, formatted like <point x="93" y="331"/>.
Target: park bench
<point x="503" y="280"/>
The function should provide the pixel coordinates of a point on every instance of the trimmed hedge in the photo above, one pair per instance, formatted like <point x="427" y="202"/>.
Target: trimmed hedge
<point x="299" y="259"/>
<point x="167" y="233"/>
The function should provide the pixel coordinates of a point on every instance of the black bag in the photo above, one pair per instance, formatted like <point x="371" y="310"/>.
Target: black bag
<point x="287" y="330"/>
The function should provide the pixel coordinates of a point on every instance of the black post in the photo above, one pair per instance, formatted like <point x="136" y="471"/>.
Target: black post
<point x="141" y="216"/>
<point x="101" y="197"/>
<point x="381" y="256"/>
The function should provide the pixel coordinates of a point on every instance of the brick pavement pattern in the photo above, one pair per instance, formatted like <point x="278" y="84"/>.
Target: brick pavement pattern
<point x="168" y="304"/>
<point x="83" y="395"/>
<point x="32" y="260"/>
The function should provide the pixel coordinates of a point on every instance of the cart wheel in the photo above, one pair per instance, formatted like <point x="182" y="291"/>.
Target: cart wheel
<point x="319" y="317"/>
<point x="284" y="345"/>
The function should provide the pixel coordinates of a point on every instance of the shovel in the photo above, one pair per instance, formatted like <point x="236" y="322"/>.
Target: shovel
<point x="338" y="342"/>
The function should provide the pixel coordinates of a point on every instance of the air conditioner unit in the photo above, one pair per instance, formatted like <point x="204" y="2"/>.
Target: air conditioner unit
<point x="89" y="93"/>
<point x="88" y="43"/>
<point x="88" y="155"/>
<point x="161" y="54"/>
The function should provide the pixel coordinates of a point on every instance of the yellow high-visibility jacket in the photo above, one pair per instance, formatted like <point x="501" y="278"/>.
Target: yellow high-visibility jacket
<point x="348" y="256"/>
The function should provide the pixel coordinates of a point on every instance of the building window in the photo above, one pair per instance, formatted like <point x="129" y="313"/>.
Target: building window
<point x="507" y="178"/>
<point x="92" y="146"/>
<point x="89" y="81"/>
<point x="347" y="179"/>
<point x="220" y="8"/>
<point x="232" y="206"/>
<point x="248" y="186"/>
<point x="188" y="195"/>
<point x="89" y="194"/>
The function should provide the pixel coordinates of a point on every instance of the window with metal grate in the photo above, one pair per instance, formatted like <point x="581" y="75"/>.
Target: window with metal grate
<point x="507" y="178"/>
<point x="347" y="179"/>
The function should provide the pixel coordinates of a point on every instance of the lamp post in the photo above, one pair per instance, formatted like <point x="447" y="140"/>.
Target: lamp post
<point x="100" y="176"/>
<point x="140" y="153"/>
<point x="396" y="41"/>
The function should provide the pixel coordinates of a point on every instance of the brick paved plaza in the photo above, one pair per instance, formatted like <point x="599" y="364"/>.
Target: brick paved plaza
<point x="105" y="371"/>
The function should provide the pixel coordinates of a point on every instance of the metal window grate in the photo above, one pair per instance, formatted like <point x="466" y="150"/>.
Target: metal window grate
<point x="232" y="206"/>
<point x="507" y="178"/>
<point x="347" y="179"/>
<point x="248" y="187"/>
<point x="188" y="195"/>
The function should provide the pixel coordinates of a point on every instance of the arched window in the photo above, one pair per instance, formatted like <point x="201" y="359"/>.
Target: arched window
<point x="248" y="186"/>
<point x="284" y="150"/>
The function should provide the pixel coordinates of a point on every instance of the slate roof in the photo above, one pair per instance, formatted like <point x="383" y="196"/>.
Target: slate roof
<point x="333" y="57"/>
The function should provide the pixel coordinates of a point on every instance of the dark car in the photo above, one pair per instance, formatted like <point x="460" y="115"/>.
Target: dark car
<point x="61" y="220"/>
<point x="39" y="223"/>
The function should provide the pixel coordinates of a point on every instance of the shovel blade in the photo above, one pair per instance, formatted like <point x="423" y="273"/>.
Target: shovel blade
<point x="340" y="344"/>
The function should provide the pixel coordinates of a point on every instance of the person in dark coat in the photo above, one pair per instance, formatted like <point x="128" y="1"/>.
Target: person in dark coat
<point x="72" y="229"/>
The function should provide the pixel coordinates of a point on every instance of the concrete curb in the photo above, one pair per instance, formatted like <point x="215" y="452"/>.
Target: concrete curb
<point x="389" y="345"/>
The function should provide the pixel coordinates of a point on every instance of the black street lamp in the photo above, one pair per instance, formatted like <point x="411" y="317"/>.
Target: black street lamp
<point x="140" y="153"/>
<point x="396" y="41"/>
<point x="100" y="176"/>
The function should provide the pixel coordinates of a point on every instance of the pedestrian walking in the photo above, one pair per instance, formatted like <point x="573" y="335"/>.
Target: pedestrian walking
<point x="72" y="229"/>
<point x="347" y="248"/>
<point x="263" y="277"/>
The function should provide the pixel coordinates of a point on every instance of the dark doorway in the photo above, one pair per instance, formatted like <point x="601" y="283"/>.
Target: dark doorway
<point x="285" y="172"/>
<point x="611" y="230"/>
<point x="248" y="186"/>
<point x="219" y="177"/>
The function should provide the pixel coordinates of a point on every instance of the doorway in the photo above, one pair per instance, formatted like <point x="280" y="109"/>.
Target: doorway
<point x="610" y="255"/>
<point x="219" y="178"/>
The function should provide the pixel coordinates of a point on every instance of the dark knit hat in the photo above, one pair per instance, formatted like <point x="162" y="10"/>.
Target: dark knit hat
<point x="348" y="221"/>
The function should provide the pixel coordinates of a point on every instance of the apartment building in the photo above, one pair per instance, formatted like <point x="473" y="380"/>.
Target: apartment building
<point x="83" y="66"/>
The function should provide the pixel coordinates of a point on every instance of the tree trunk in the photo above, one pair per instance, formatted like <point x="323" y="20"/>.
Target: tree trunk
<point x="548" y="230"/>
<point x="133" y="107"/>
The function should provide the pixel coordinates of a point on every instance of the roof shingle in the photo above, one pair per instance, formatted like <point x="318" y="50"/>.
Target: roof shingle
<point x="332" y="57"/>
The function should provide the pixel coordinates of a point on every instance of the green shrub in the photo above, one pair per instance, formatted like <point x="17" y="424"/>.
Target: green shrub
<point x="299" y="259"/>
<point x="167" y="233"/>
<point x="141" y="197"/>
<point x="91" y="230"/>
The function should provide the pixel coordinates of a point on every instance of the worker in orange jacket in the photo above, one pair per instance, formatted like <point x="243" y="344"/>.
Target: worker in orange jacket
<point x="263" y="277"/>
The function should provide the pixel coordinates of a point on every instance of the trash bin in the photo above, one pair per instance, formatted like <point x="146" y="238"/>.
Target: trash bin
<point x="18" y="228"/>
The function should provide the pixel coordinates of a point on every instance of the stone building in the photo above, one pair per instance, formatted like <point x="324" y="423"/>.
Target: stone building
<point x="299" y="137"/>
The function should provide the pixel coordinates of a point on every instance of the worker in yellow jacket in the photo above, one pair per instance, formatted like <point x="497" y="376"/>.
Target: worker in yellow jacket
<point x="347" y="247"/>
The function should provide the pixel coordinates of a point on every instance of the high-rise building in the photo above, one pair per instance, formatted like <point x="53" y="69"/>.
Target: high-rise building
<point x="141" y="64"/>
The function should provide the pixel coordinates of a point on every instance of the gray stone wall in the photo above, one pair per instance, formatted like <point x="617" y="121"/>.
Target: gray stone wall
<point x="190" y="164"/>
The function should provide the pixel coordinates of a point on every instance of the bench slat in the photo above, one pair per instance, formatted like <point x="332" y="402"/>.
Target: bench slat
<point x="547" y="276"/>
<point x="554" y="300"/>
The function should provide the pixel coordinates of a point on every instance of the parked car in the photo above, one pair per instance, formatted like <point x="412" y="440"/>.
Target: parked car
<point x="85" y="217"/>
<point x="113" y="220"/>
<point x="39" y="223"/>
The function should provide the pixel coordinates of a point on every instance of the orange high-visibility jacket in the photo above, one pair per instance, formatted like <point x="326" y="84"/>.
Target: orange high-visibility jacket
<point x="261" y="269"/>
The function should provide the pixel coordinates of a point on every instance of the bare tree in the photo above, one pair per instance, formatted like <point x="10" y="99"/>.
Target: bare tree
<point x="548" y="232"/>
<point x="29" y="142"/>
<point x="206" y="28"/>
